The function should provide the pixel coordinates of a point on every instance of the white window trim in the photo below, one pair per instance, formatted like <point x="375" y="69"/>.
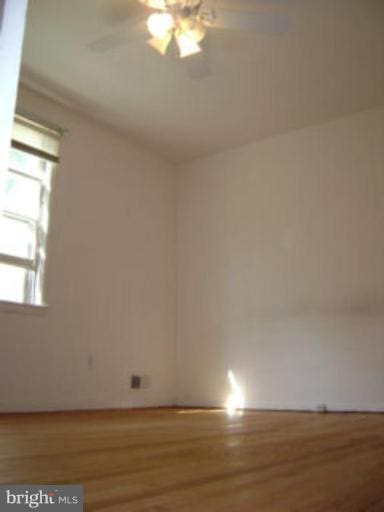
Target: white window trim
<point x="23" y="309"/>
<point x="37" y="264"/>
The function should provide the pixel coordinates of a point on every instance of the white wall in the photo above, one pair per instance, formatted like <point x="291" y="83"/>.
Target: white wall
<point x="280" y="266"/>
<point x="12" y="23"/>
<point x="110" y="279"/>
<point x="281" y="269"/>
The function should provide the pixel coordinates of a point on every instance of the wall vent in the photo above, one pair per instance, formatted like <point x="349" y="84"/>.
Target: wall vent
<point x="135" y="382"/>
<point x="139" y="381"/>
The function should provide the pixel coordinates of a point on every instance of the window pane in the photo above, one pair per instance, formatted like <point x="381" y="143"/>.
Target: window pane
<point x="17" y="238"/>
<point x="12" y="283"/>
<point x="22" y="195"/>
<point x="28" y="164"/>
<point x="24" y="199"/>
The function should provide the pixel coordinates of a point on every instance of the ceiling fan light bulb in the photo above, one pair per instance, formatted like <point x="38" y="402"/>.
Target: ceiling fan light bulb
<point x="193" y="29"/>
<point x="197" y="33"/>
<point x="187" y="45"/>
<point x="160" y="24"/>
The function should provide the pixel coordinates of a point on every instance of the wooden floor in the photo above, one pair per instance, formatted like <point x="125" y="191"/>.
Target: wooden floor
<point x="174" y="460"/>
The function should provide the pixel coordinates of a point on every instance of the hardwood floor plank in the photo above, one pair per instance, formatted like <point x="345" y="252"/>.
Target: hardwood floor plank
<point x="175" y="460"/>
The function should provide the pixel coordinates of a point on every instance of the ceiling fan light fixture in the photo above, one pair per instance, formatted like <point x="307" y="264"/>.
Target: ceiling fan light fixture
<point x="197" y="33"/>
<point x="187" y="45"/>
<point x="160" y="44"/>
<point x="160" y="24"/>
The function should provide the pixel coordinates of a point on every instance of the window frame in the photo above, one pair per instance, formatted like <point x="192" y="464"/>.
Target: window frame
<point x="33" y="293"/>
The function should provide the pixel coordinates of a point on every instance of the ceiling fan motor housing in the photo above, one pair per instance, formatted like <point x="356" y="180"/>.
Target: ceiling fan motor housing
<point x="185" y="9"/>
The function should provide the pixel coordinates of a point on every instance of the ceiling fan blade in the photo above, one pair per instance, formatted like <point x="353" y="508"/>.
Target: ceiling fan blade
<point x="247" y="6"/>
<point x="117" y="11"/>
<point x="108" y="42"/>
<point x="262" y="22"/>
<point x="127" y="33"/>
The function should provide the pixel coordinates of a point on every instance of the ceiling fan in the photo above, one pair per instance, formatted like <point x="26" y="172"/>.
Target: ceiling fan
<point x="186" y="22"/>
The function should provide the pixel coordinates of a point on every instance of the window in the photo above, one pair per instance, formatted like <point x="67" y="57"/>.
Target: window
<point x="24" y="210"/>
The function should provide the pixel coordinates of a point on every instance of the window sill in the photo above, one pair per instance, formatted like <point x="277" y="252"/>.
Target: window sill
<point x="22" y="308"/>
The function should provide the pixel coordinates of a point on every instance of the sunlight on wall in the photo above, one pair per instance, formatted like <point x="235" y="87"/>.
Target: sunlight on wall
<point x="235" y="400"/>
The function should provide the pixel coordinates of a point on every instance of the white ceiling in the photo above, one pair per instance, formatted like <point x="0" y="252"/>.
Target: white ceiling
<point x="330" y="62"/>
